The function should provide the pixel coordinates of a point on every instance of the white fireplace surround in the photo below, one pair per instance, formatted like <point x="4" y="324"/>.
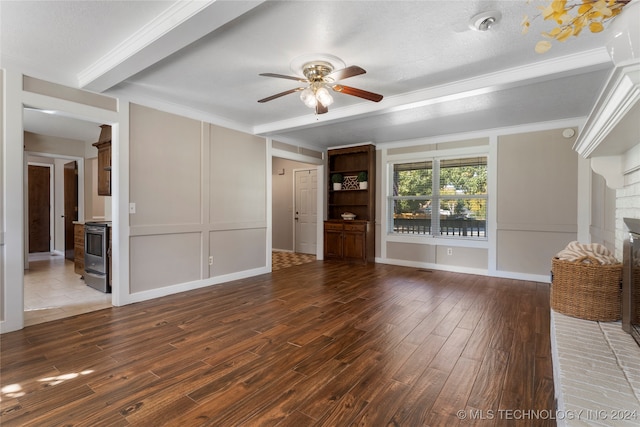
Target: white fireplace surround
<point x="596" y="373"/>
<point x="596" y="365"/>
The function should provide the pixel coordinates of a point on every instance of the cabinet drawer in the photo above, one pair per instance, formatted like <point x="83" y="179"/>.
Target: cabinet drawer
<point x="355" y="227"/>
<point x="337" y="226"/>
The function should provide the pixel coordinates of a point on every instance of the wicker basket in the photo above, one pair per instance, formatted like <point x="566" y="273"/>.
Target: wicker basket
<point x="587" y="290"/>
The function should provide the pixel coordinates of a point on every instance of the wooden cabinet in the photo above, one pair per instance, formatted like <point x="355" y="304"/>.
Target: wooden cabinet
<point x="347" y="241"/>
<point x="104" y="161"/>
<point x="109" y="259"/>
<point x="351" y="240"/>
<point x="78" y="249"/>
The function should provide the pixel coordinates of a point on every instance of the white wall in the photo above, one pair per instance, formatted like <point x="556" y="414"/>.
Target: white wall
<point x="602" y="227"/>
<point x="2" y="146"/>
<point x="628" y="197"/>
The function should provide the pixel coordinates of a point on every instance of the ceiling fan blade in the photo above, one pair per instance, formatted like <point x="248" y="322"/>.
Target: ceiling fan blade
<point x="321" y="109"/>
<point x="345" y="73"/>
<point x="282" y="76"/>
<point x="278" y="95"/>
<point x="375" y="97"/>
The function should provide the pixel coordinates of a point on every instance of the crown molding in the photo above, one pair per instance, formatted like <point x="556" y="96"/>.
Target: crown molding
<point x="617" y="100"/>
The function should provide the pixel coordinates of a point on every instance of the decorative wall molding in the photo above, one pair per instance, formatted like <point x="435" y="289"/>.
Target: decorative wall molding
<point x="615" y="107"/>
<point x="610" y="168"/>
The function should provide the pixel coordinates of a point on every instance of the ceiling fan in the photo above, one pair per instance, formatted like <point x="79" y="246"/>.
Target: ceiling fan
<point x="320" y="77"/>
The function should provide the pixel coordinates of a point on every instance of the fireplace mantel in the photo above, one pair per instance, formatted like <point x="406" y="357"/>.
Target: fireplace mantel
<point x="611" y="131"/>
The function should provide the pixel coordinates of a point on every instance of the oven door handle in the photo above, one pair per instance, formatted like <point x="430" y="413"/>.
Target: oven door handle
<point x="97" y="230"/>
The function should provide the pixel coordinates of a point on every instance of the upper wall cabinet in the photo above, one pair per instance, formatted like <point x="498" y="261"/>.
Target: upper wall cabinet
<point x="104" y="161"/>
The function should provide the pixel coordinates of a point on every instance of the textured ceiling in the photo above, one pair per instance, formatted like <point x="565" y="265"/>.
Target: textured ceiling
<point x="202" y="59"/>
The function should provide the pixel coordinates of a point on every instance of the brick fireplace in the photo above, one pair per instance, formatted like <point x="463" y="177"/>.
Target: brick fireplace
<point x="596" y="369"/>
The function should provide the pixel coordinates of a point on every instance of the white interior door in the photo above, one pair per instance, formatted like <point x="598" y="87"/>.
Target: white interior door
<point x="306" y="189"/>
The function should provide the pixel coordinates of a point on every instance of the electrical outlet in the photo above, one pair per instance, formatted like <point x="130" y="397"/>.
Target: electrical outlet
<point x="449" y="251"/>
<point x="211" y="260"/>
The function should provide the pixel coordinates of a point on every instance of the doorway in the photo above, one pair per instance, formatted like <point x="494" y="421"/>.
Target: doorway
<point x="52" y="288"/>
<point x="306" y="211"/>
<point x="70" y="207"/>
<point x="289" y="234"/>
<point x="39" y="206"/>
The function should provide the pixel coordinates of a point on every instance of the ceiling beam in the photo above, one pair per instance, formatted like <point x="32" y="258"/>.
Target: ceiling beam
<point x="580" y="63"/>
<point x="177" y="27"/>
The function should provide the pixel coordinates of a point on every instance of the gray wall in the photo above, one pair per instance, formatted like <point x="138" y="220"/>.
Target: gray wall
<point x="534" y="204"/>
<point x="537" y="195"/>
<point x="199" y="191"/>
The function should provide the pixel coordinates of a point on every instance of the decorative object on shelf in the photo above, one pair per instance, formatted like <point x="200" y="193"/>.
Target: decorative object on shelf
<point x="336" y="179"/>
<point x="572" y="17"/>
<point x="348" y="216"/>
<point x="350" y="183"/>
<point x="362" y="180"/>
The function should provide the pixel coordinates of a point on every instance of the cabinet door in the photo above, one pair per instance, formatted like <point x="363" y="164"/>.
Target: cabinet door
<point x="104" y="170"/>
<point x="332" y="243"/>
<point x="354" y="246"/>
<point x="78" y="249"/>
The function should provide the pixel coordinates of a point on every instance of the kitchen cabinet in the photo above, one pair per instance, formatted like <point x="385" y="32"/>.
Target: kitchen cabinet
<point x="354" y="239"/>
<point x="104" y="161"/>
<point x="78" y="249"/>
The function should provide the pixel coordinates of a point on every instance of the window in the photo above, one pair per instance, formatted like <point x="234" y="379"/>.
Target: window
<point x="439" y="197"/>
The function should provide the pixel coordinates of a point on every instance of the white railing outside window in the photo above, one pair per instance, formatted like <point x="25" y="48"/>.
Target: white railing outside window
<point x="439" y="197"/>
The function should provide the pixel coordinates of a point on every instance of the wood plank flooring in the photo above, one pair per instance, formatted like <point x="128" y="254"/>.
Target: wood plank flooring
<point x="320" y="344"/>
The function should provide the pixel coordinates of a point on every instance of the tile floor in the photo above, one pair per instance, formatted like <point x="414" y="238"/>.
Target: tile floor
<point x="53" y="291"/>
<point x="280" y="260"/>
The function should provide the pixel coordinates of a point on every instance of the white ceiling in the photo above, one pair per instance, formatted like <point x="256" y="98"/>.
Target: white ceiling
<point x="202" y="59"/>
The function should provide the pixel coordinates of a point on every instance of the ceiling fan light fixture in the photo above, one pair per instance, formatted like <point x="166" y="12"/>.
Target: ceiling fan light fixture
<point x="320" y="78"/>
<point x="308" y="97"/>
<point x="324" y="97"/>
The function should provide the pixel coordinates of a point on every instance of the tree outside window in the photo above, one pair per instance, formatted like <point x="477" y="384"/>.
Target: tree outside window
<point x="460" y="195"/>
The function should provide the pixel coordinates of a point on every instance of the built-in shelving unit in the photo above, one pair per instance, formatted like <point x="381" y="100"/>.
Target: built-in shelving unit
<point x="351" y="240"/>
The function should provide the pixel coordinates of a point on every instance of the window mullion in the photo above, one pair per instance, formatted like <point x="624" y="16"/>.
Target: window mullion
<point x="435" y="203"/>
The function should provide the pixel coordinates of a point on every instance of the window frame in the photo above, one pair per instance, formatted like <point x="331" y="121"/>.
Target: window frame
<point x="435" y="197"/>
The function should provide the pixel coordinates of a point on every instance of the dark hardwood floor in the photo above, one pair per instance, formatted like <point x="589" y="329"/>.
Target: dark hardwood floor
<point x="321" y="344"/>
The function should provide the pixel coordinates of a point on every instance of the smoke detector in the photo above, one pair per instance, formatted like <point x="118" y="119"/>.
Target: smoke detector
<point x="485" y="20"/>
